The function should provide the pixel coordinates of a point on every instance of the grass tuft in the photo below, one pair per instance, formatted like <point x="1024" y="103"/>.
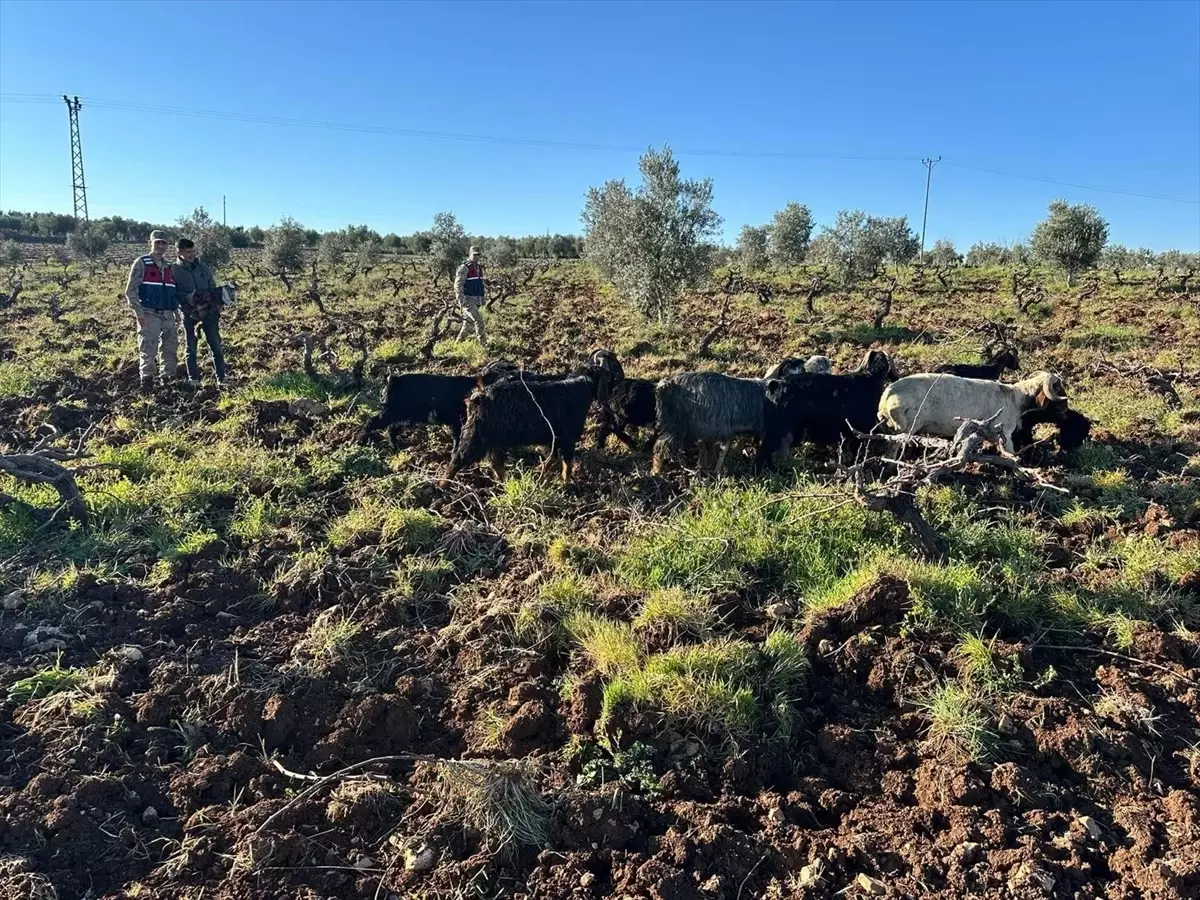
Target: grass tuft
<point x="957" y="718"/>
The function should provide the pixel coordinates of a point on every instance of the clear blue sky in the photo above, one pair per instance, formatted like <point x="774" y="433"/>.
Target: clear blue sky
<point x="1103" y="94"/>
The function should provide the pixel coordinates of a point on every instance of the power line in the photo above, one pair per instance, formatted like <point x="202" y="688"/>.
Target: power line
<point x="446" y="135"/>
<point x="1063" y="182"/>
<point x="563" y="145"/>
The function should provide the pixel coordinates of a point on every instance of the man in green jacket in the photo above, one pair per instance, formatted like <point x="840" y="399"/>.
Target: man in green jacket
<point x="200" y="300"/>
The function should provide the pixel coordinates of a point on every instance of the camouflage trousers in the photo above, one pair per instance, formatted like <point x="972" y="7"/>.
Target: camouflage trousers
<point x="472" y="318"/>
<point x="157" y="327"/>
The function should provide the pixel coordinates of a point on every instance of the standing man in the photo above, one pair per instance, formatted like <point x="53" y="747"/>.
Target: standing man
<point x="200" y="300"/>
<point x="151" y="295"/>
<point x="468" y="286"/>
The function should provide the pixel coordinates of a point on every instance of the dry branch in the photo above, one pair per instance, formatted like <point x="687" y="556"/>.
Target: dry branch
<point x="942" y="458"/>
<point x="41" y="466"/>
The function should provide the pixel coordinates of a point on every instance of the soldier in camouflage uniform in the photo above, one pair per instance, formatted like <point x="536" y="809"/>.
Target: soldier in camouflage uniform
<point x="151" y="295"/>
<point x="469" y="290"/>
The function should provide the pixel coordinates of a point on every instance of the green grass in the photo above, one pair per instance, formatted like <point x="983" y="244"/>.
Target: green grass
<point x="52" y="680"/>
<point x="465" y="353"/>
<point x="676" y="613"/>
<point x="957" y="718"/>
<point x="1109" y="337"/>
<point x="977" y="662"/>
<point x="954" y="594"/>
<point x="283" y="386"/>
<point x="557" y="600"/>
<point x="422" y="575"/>
<point x="19" y="379"/>
<point x="328" y="638"/>
<point x="722" y="687"/>
<point x="734" y="537"/>
<point x="393" y="351"/>
<point x="255" y="519"/>
<point x="527" y="498"/>
<point x="375" y="520"/>
<point x="609" y="646"/>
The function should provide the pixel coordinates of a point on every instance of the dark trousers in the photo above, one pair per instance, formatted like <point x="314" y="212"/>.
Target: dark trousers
<point x="210" y="325"/>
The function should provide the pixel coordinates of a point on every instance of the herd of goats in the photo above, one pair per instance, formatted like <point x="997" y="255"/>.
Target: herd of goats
<point x="504" y="407"/>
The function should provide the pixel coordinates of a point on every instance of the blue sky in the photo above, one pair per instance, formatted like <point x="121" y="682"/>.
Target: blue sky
<point x="1104" y="94"/>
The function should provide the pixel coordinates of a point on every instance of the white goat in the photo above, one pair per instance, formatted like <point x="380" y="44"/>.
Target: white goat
<point x="814" y="365"/>
<point x="937" y="404"/>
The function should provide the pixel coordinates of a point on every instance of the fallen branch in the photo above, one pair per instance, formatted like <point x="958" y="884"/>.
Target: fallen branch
<point x="42" y="468"/>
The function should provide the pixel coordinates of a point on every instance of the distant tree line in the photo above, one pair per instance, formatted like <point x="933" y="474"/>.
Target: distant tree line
<point x="58" y="227"/>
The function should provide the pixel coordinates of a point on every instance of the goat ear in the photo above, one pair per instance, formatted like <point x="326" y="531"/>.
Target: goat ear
<point x="774" y="389"/>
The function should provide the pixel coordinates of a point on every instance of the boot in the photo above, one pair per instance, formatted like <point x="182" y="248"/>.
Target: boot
<point x="146" y="386"/>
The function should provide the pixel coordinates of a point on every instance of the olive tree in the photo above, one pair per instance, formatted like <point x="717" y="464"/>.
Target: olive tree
<point x="283" y="246"/>
<point x="1172" y="260"/>
<point x="448" y="244"/>
<point x="1071" y="238"/>
<point x="857" y="244"/>
<point x="752" y="246"/>
<point x="212" y="238"/>
<point x="651" y="242"/>
<point x="331" y="247"/>
<point x="365" y="254"/>
<point x="789" y="237"/>
<point x="79" y="247"/>
<point x="1124" y="259"/>
<point x="944" y="253"/>
<point x="502" y="253"/>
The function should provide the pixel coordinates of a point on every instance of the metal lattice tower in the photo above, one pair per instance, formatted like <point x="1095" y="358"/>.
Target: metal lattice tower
<point x="78" y="186"/>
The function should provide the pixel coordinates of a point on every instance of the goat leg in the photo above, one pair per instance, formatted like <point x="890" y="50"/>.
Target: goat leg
<point x="495" y="459"/>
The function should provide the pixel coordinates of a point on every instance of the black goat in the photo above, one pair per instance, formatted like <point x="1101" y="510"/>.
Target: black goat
<point x="631" y="405"/>
<point x="1073" y="427"/>
<point x="514" y="412"/>
<point x="823" y="409"/>
<point x="999" y="362"/>
<point x="424" y="398"/>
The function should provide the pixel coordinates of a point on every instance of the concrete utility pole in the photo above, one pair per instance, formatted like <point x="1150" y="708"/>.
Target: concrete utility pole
<point x="929" y="164"/>
<point x="224" y="221"/>
<point x="78" y="187"/>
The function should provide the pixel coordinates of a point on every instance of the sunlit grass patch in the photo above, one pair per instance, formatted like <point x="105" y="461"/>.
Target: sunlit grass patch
<point x="467" y="353"/>
<point x="733" y="536"/>
<point x="1108" y="337"/>
<point x="566" y="553"/>
<point x="1123" y="411"/>
<point x="675" y="613"/>
<point x="57" y="679"/>
<point x="282" y="386"/>
<point x="954" y="594"/>
<point x="422" y="575"/>
<point x="328" y="639"/>
<point x="255" y="519"/>
<point x="723" y="687"/>
<point x="609" y="646"/>
<point x="957" y="718"/>
<point x="19" y="379"/>
<point x="393" y="350"/>
<point x="377" y="520"/>
<point x="526" y="496"/>
<point x="558" y="599"/>
<point x="977" y="663"/>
